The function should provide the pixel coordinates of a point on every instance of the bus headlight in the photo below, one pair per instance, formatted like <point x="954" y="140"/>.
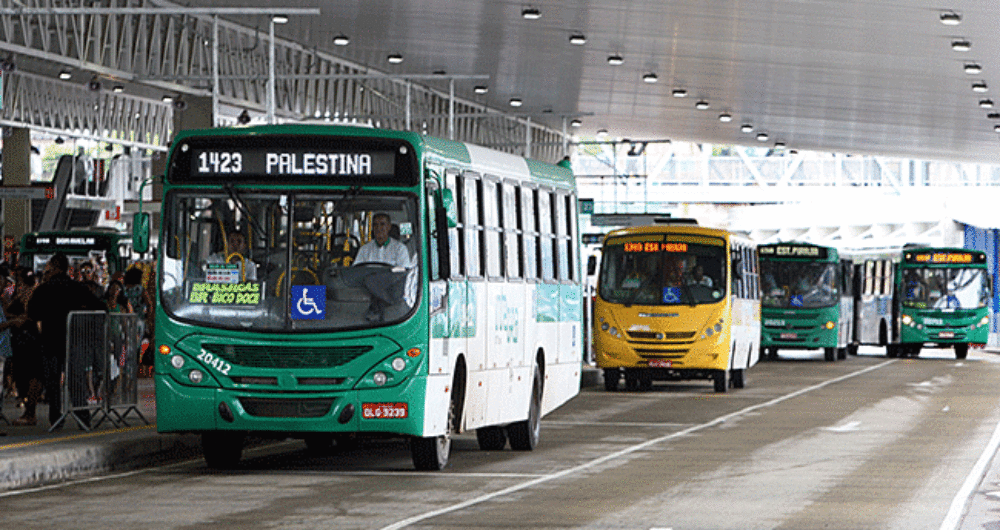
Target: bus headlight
<point x="380" y="378"/>
<point x="907" y="321"/>
<point x="830" y="324"/>
<point x="984" y="321"/>
<point x="177" y="361"/>
<point x="195" y="376"/>
<point x="615" y="333"/>
<point x="398" y="364"/>
<point x="605" y="326"/>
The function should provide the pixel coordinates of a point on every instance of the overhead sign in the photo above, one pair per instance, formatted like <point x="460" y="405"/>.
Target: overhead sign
<point x="945" y="257"/>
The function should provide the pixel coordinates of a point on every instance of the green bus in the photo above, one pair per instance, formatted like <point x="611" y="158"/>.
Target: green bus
<point x="295" y="330"/>
<point x="807" y="300"/>
<point x="943" y="299"/>
<point x="109" y="251"/>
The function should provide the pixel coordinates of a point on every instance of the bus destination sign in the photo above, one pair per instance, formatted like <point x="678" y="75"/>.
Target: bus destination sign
<point x="793" y="251"/>
<point x="942" y="257"/>
<point x="285" y="162"/>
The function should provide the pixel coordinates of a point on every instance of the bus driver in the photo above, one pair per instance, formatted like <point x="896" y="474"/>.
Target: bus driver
<point x="384" y="284"/>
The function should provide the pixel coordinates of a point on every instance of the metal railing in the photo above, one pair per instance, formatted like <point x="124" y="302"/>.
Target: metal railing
<point x="102" y="369"/>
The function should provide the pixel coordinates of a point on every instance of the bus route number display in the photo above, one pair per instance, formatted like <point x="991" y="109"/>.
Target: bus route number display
<point x="943" y="257"/>
<point x="793" y="251"/>
<point x="265" y="162"/>
<point x="653" y="246"/>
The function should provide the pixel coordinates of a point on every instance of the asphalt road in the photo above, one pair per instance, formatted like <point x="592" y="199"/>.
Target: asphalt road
<point x="868" y="442"/>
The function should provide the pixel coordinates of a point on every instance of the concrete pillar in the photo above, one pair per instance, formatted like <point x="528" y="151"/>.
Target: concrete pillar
<point x="16" y="172"/>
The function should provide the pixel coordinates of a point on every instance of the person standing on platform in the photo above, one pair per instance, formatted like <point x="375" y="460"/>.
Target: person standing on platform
<point x="50" y="304"/>
<point x="28" y="374"/>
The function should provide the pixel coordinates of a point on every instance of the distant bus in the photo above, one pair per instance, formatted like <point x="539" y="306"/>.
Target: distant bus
<point x="479" y="328"/>
<point x="922" y="297"/>
<point x="676" y="302"/>
<point x="109" y="251"/>
<point x="807" y="300"/>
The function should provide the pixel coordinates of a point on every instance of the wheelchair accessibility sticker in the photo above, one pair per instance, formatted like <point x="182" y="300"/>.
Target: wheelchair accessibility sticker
<point x="671" y="295"/>
<point x="308" y="302"/>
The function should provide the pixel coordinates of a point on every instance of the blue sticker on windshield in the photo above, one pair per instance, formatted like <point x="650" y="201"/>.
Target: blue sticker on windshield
<point x="671" y="295"/>
<point x="796" y="300"/>
<point x="308" y="302"/>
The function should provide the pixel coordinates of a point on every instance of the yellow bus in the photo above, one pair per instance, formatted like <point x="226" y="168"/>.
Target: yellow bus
<point x="676" y="302"/>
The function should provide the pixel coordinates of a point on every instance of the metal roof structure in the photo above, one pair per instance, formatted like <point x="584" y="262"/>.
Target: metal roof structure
<point x="848" y="76"/>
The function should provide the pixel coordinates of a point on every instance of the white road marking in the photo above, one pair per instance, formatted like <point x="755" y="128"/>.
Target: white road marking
<point x="847" y="427"/>
<point x="628" y="450"/>
<point x="615" y="423"/>
<point x="964" y="495"/>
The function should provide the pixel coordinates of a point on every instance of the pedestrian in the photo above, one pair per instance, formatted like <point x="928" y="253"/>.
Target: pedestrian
<point x="49" y="305"/>
<point x="26" y="347"/>
<point x="88" y="278"/>
<point x="5" y="350"/>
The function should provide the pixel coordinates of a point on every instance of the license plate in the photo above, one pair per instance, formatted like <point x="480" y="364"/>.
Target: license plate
<point x="789" y="336"/>
<point x="383" y="411"/>
<point x="660" y="363"/>
<point x="946" y="335"/>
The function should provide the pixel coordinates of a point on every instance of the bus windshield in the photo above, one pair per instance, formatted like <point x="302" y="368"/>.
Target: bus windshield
<point x="644" y="272"/>
<point x="276" y="261"/>
<point x="799" y="284"/>
<point x="945" y="288"/>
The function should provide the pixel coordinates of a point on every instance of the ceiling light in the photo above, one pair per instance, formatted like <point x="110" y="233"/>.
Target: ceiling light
<point x="993" y="116"/>
<point x="394" y="58"/>
<point x="761" y="137"/>
<point x="972" y="68"/>
<point x="996" y="128"/>
<point x="701" y="105"/>
<point x="65" y="74"/>
<point x="577" y="39"/>
<point x="531" y="13"/>
<point x="950" y="18"/>
<point x="679" y="93"/>
<point x="243" y="118"/>
<point x="341" y="40"/>
<point x="481" y="89"/>
<point x="280" y="19"/>
<point x="979" y="87"/>
<point x="650" y="78"/>
<point x="725" y="117"/>
<point x="59" y="140"/>
<point x="118" y="89"/>
<point x="440" y="72"/>
<point x="575" y="123"/>
<point x="961" y="45"/>
<point x="747" y="128"/>
<point x="168" y="98"/>
<point x="779" y="145"/>
<point x="615" y="59"/>
<point x="602" y="133"/>
<point x="516" y="102"/>
<point x="986" y="103"/>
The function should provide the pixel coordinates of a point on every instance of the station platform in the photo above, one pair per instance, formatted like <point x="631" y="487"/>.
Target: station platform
<point x="31" y="456"/>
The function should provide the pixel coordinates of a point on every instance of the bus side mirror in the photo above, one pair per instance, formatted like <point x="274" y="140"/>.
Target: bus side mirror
<point x="140" y="232"/>
<point x="448" y="205"/>
<point x="591" y="265"/>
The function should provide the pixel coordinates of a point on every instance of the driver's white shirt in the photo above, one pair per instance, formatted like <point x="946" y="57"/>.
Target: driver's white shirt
<point x="393" y="252"/>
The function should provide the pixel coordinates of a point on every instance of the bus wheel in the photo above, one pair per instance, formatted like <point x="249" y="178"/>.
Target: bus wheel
<point x="631" y="379"/>
<point x="491" y="438"/>
<point x="852" y="349"/>
<point x="738" y="378"/>
<point x="891" y="351"/>
<point x="222" y="449"/>
<point x="772" y="353"/>
<point x="721" y="380"/>
<point x="645" y="380"/>
<point x="841" y="353"/>
<point x="524" y="435"/>
<point x="830" y="354"/>
<point x="430" y="453"/>
<point x="961" y="351"/>
<point x="611" y="377"/>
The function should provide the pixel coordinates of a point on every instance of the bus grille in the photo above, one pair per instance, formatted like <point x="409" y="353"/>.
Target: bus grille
<point x="656" y="335"/>
<point x="660" y="354"/>
<point x="286" y="408"/>
<point x="285" y="356"/>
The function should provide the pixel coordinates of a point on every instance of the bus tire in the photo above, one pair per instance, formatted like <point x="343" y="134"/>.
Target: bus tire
<point x="631" y="380"/>
<point x="645" y="380"/>
<point x="524" y="435"/>
<point x="772" y="353"/>
<point x="892" y="351"/>
<point x="852" y="349"/>
<point x="611" y="377"/>
<point x="491" y="438"/>
<point x="222" y="449"/>
<point x="721" y="380"/>
<point x="430" y="453"/>
<point x="961" y="351"/>
<point x="841" y="353"/>
<point x="738" y="378"/>
<point x="830" y="354"/>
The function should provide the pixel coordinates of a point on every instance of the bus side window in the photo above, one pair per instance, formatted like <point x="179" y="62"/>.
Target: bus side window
<point x="560" y="234"/>
<point x="456" y="236"/>
<point x="512" y="230"/>
<point x="492" y="229"/>
<point x="530" y="231"/>
<point x="572" y="240"/>
<point x="543" y="217"/>
<point x="472" y="224"/>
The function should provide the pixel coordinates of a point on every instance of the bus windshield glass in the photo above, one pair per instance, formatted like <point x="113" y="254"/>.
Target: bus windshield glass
<point x="799" y="284"/>
<point x="279" y="261"/>
<point x="644" y="270"/>
<point x="945" y="288"/>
